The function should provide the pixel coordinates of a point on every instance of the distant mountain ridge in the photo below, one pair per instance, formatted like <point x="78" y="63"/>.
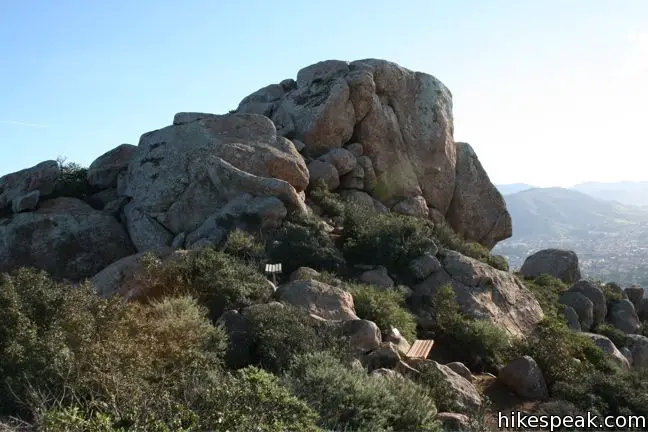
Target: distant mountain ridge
<point x="610" y="238"/>
<point x="633" y="193"/>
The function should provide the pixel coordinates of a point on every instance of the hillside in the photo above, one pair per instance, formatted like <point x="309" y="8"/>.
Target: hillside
<point x="609" y="237"/>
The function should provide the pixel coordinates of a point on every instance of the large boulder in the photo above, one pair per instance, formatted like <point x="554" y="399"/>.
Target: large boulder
<point x="483" y="292"/>
<point x="593" y="292"/>
<point x="623" y="316"/>
<point x="524" y="377"/>
<point x="41" y="178"/>
<point x="104" y="171"/>
<point x="638" y="345"/>
<point x="378" y="277"/>
<point x="609" y="348"/>
<point x="559" y="263"/>
<point x="582" y="305"/>
<point x="65" y="236"/>
<point x="402" y="118"/>
<point x="571" y="318"/>
<point x="183" y="174"/>
<point x="317" y="298"/>
<point x="635" y="294"/>
<point x="478" y="210"/>
<point x="363" y="335"/>
<point x="462" y="391"/>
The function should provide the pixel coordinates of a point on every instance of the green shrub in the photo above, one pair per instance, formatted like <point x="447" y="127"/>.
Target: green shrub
<point x="547" y="290"/>
<point x="476" y="343"/>
<point x="384" y="307"/>
<point x="391" y="240"/>
<point x="278" y="334"/>
<point x="219" y="281"/>
<point x="303" y="243"/>
<point x="89" y="350"/>
<point x="617" y="337"/>
<point x="72" y="181"/>
<point x="245" y="246"/>
<point x="611" y="294"/>
<point x="329" y="202"/>
<point x="446" y="237"/>
<point x="349" y="399"/>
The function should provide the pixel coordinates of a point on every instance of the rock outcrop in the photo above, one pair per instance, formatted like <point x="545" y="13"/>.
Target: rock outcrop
<point x="477" y="210"/>
<point x="609" y="348"/>
<point x="65" y="237"/>
<point x="595" y="294"/>
<point x="317" y="298"/>
<point x="623" y="316"/>
<point x="402" y="121"/>
<point x="483" y="292"/>
<point x="183" y="174"/>
<point x="16" y="186"/>
<point x="524" y="377"/>
<point x="559" y="263"/>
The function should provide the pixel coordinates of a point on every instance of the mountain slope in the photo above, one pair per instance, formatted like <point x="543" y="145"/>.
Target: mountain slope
<point x="558" y="212"/>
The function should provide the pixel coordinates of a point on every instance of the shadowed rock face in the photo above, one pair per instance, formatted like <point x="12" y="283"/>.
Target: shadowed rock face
<point x="65" y="236"/>
<point x="183" y="174"/>
<point x="403" y="121"/>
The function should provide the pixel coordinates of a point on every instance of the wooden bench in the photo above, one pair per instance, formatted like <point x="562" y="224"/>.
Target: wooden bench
<point x="420" y="349"/>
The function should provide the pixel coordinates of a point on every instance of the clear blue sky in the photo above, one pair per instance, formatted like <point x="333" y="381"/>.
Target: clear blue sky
<point x="549" y="92"/>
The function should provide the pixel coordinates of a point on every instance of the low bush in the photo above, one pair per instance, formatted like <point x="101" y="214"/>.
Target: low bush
<point x="390" y="240"/>
<point x="449" y="239"/>
<point x="547" y="290"/>
<point x="245" y="246"/>
<point x="329" y="202"/>
<point x="219" y="281"/>
<point x="617" y="337"/>
<point x="72" y="181"/>
<point x="301" y="242"/>
<point x="277" y="334"/>
<point x="349" y="399"/>
<point x="479" y="344"/>
<point x="384" y="307"/>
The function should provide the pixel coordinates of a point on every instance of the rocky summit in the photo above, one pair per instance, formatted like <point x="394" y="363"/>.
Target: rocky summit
<point x="373" y="130"/>
<point x="319" y="258"/>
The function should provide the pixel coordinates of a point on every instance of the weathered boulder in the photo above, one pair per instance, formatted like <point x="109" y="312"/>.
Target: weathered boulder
<point x="614" y="287"/>
<point x="461" y="369"/>
<point x="354" y="179"/>
<point x="559" y="263"/>
<point x="26" y="202"/>
<point x="412" y="206"/>
<point x="65" y="236"/>
<point x="342" y="159"/>
<point x="319" y="299"/>
<point x="478" y="210"/>
<point x="41" y="178"/>
<point x="239" y="348"/>
<point x="324" y="171"/>
<point x="582" y="305"/>
<point x="355" y="148"/>
<point x="459" y="388"/>
<point x="363" y="335"/>
<point x="378" y="277"/>
<point x="638" y="346"/>
<point x="103" y="172"/>
<point x="402" y="118"/>
<point x="623" y="316"/>
<point x="385" y="356"/>
<point x="394" y="336"/>
<point x="183" y="174"/>
<point x="571" y="318"/>
<point x="425" y="265"/>
<point x="304" y="273"/>
<point x="642" y="310"/>
<point x="609" y="348"/>
<point x="483" y="292"/>
<point x="524" y="377"/>
<point x="369" y="174"/>
<point x="635" y="294"/>
<point x="593" y="292"/>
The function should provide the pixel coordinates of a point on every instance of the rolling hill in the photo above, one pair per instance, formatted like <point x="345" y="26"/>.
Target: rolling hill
<point x="632" y="193"/>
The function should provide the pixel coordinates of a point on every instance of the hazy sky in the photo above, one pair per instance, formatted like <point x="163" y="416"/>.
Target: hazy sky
<point x="550" y="92"/>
